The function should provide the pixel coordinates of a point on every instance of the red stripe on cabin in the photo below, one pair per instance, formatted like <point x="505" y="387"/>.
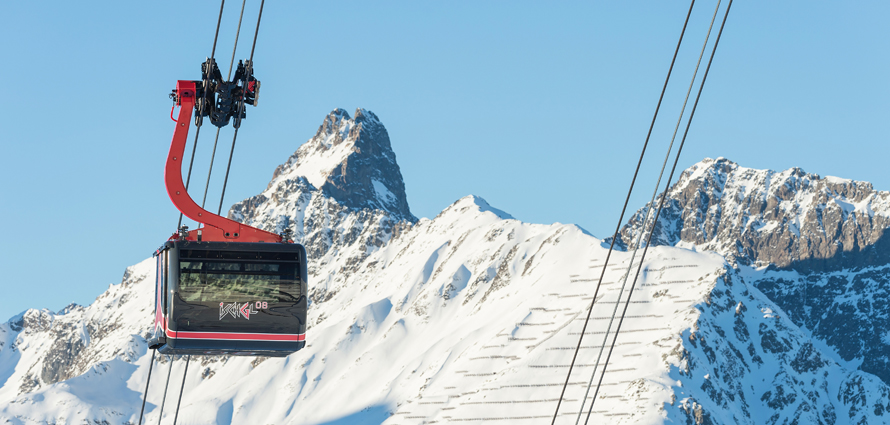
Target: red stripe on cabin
<point x="235" y="336"/>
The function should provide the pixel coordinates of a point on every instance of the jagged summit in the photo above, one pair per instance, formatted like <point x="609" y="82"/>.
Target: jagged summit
<point x="350" y="160"/>
<point x="787" y="218"/>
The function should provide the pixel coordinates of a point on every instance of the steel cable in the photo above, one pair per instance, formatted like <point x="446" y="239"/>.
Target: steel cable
<point x="216" y="139"/>
<point x="228" y="168"/>
<point x="147" y="381"/>
<point x="256" y="32"/>
<point x="201" y="110"/>
<point x="164" y="398"/>
<point x="210" y="170"/>
<point x="182" y="388"/>
<point x="222" y="4"/>
<point x="623" y="211"/>
<point x="237" y="36"/>
<point x="636" y="244"/>
<point x="660" y="205"/>
<point x="241" y="106"/>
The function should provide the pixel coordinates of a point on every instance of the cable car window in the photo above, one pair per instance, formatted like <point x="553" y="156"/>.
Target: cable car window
<point x="216" y="281"/>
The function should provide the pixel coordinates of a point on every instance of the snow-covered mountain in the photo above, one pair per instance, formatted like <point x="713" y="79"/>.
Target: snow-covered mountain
<point x="473" y="316"/>
<point x="789" y="218"/>
<point x="825" y="239"/>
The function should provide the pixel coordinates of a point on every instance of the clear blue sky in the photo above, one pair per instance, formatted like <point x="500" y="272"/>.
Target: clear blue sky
<point x="538" y="107"/>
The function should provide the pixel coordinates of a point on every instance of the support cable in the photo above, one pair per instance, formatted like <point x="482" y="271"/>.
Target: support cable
<point x="240" y="106"/>
<point x="147" y="381"/>
<point x="216" y="139"/>
<point x="256" y="32"/>
<point x="661" y="203"/>
<point x="210" y="170"/>
<point x="201" y="110"/>
<point x="237" y="36"/>
<point x="222" y="4"/>
<point x="164" y="399"/>
<point x="623" y="211"/>
<point x="636" y="244"/>
<point x="182" y="388"/>
<point x="226" y="180"/>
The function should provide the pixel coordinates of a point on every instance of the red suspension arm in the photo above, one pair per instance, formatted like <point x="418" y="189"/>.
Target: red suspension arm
<point x="217" y="228"/>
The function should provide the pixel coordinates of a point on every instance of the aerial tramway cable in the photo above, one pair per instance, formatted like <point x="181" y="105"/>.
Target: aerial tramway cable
<point x="164" y="397"/>
<point x="147" y="381"/>
<point x="241" y="103"/>
<point x="216" y="139"/>
<point x="201" y="110"/>
<point x="660" y="205"/>
<point x="181" y="388"/>
<point x="623" y="211"/>
<point x="636" y="244"/>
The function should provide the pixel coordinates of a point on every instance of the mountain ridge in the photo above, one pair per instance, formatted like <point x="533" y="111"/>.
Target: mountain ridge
<point x="788" y="218"/>
<point x="472" y="316"/>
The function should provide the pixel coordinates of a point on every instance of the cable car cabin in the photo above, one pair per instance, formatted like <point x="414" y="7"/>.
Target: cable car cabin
<point x="216" y="298"/>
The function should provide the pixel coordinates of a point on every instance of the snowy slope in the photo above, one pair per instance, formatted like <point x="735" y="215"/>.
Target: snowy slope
<point x="468" y="317"/>
<point x="847" y="309"/>
<point x="747" y="363"/>
<point x="824" y="238"/>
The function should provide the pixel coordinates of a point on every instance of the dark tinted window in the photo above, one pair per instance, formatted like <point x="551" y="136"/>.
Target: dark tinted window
<point x="208" y="276"/>
<point x="239" y="255"/>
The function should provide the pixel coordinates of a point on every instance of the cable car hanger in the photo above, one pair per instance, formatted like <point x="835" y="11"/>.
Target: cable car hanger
<point x="221" y="101"/>
<point x="186" y="95"/>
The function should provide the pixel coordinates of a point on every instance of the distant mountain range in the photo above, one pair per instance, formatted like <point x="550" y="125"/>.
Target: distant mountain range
<point x="764" y="300"/>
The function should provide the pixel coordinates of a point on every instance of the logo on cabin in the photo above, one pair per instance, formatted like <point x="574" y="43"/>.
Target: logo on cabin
<point x="243" y="310"/>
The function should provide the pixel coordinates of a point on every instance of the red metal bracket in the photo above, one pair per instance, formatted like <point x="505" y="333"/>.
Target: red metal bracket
<point x="217" y="228"/>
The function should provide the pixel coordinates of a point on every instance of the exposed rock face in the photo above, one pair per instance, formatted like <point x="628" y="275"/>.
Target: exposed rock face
<point x="66" y="344"/>
<point x="848" y="309"/>
<point x="828" y="234"/>
<point x="328" y="229"/>
<point x="744" y="363"/>
<point x="341" y="193"/>
<point x="350" y="160"/>
<point x="790" y="218"/>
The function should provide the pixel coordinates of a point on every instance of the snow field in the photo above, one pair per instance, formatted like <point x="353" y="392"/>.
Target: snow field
<point x="470" y="317"/>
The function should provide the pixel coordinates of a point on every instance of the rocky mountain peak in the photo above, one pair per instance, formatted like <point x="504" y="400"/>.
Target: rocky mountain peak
<point x="350" y="159"/>
<point x="787" y="218"/>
